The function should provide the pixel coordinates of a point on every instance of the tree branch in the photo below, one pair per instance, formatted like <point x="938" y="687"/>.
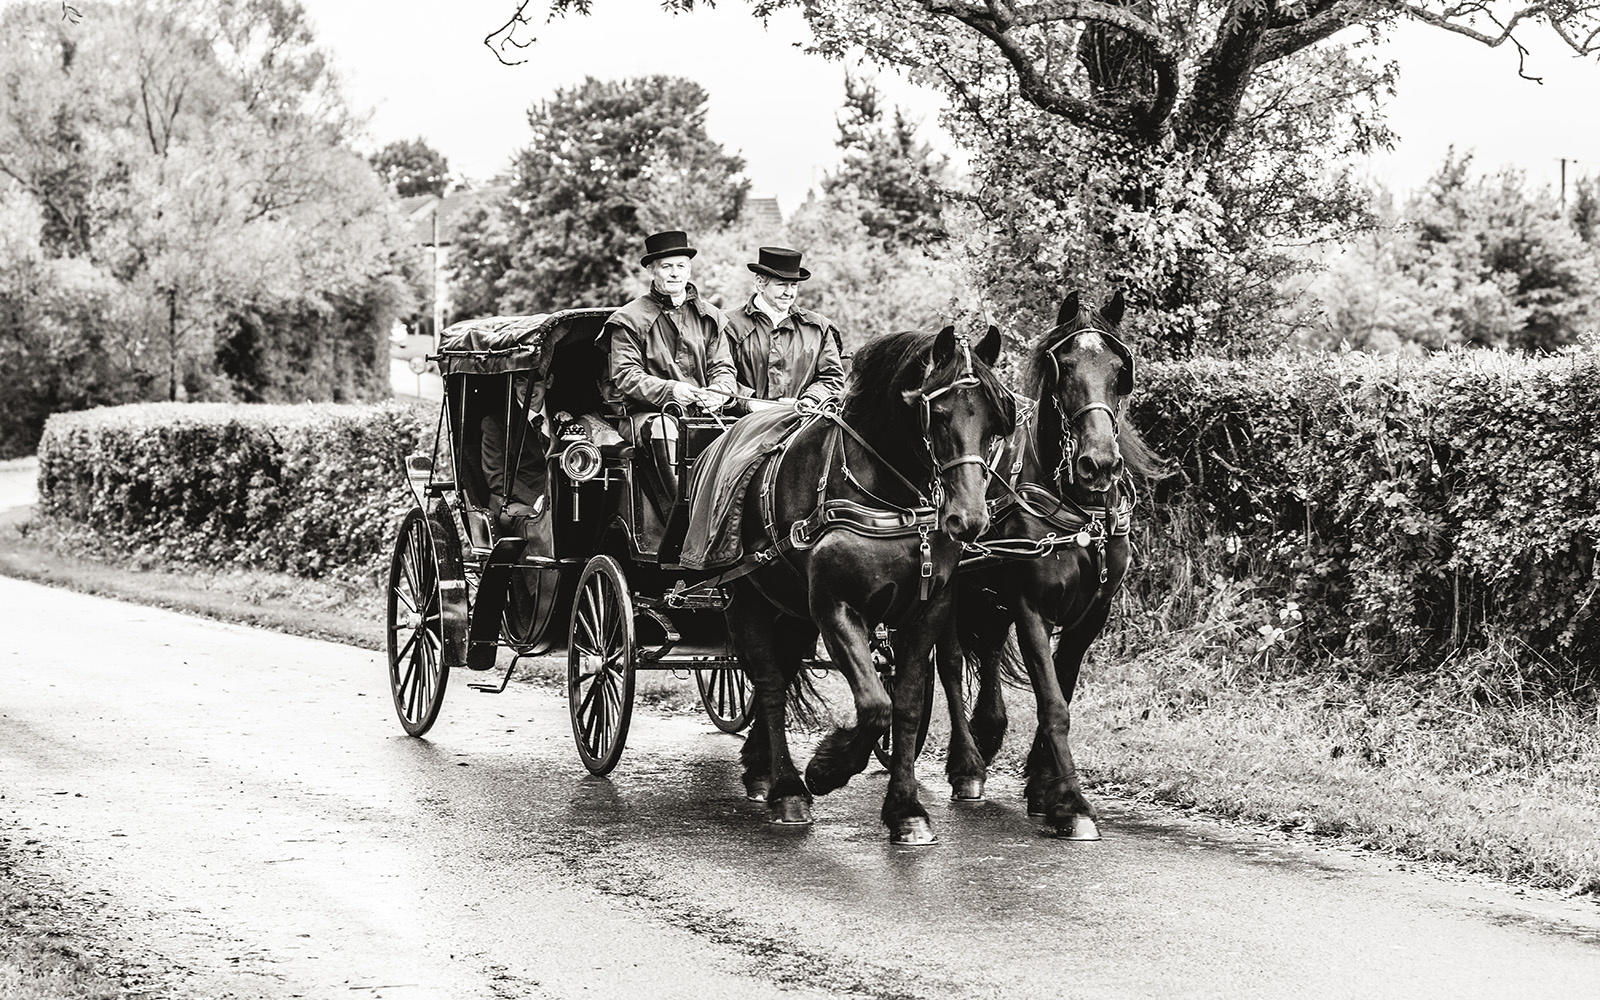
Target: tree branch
<point x="1293" y="30"/>
<point x="995" y="20"/>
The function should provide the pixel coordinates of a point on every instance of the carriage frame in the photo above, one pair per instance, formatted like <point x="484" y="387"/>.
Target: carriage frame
<point x="598" y="558"/>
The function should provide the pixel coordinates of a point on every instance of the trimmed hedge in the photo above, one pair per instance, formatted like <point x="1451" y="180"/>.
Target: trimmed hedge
<point x="1414" y="508"/>
<point x="308" y="489"/>
<point x="1419" y="507"/>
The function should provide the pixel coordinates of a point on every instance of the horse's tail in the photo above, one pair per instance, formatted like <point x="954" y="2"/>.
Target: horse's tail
<point x="978" y="645"/>
<point x="807" y="707"/>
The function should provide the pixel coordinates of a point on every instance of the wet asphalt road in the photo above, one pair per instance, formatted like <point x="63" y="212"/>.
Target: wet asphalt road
<point x="255" y="818"/>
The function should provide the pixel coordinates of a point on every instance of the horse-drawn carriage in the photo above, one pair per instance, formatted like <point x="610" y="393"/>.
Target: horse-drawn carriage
<point x="532" y="511"/>
<point x="534" y="527"/>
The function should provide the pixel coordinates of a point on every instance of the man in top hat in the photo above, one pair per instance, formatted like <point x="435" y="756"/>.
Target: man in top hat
<point x="668" y="346"/>
<point x="781" y="351"/>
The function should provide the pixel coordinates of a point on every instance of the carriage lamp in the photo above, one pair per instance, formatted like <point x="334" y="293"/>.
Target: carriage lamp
<point x="580" y="460"/>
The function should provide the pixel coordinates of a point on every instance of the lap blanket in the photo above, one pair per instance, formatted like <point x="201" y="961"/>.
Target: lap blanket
<point x="718" y="482"/>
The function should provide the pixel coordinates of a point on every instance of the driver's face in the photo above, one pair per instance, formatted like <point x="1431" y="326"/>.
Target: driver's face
<point x="670" y="274"/>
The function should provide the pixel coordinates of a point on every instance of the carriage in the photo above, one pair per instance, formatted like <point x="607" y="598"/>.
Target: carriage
<point x="591" y="563"/>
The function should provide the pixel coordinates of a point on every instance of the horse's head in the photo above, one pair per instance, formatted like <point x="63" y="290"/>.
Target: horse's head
<point x="1083" y="375"/>
<point x="962" y="410"/>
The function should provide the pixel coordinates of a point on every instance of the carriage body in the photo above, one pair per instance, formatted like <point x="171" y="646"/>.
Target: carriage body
<point x="592" y="568"/>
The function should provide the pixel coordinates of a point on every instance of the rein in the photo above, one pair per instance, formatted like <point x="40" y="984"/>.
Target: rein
<point x="886" y="519"/>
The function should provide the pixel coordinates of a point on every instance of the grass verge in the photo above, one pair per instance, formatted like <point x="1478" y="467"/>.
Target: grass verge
<point x="44" y="952"/>
<point x="1191" y="710"/>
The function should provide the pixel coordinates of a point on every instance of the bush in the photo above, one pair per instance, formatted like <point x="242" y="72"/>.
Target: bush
<point x="308" y="489"/>
<point x="1417" y="509"/>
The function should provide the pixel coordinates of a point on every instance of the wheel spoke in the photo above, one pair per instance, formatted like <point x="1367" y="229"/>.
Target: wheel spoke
<point x="405" y="601"/>
<point x="413" y="562"/>
<point x="405" y="650"/>
<point x="588" y="699"/>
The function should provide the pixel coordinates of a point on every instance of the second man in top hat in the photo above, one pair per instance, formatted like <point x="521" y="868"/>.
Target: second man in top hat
<point x="781" y="351"/>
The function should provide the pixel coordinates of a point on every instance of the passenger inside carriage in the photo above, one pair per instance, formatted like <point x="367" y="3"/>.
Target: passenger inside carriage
<point x="513" y="463"/>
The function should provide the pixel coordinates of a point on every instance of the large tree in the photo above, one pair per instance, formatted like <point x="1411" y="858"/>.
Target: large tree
<point x="185" y="164"/>
<point x="1152" y="143"/>
<point x="607" y="162"/>
<point x="899" y="179"/>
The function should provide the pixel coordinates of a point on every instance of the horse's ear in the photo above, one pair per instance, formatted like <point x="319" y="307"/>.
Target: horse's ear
<point x="988" y="349"/>
<point x="944" y="347"/>
<point x="1069" y="310"/>
<point x="1112" y="311"/>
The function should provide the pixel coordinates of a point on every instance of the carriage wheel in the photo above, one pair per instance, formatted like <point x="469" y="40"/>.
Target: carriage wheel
<point x="725" y="692"/>
<point x="417" y="665"/>
<point x="600" y="664"/>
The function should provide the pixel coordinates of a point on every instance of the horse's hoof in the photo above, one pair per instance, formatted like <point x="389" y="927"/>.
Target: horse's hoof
<point x="756" y="789"/>
<point x="913" y="831"/>
<point x="966" y="789"/>
<point x="1076" y="827"/>
<point x="792" y="811"/>
<point x="1035" y="808"/>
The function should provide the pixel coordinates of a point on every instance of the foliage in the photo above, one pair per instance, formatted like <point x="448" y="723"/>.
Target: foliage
<point x="1414" y="509"/>
<point x="1195" y="132"/>
<point x="308" y="489"/>
<point x="866" y="287"/>
<point x="898" y="179"/>
<point x="606" y="163"/>
<point x="189" y="160"/>
<point x="1465" y="262"/>
<point x="412" y="167"/>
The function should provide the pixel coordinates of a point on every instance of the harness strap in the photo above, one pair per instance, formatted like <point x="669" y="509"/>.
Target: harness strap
<point x="839" y="422"/>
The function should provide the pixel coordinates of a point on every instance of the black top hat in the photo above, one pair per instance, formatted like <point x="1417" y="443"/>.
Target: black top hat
<point x="781" y="263"/>
<point x="674" y="243"/>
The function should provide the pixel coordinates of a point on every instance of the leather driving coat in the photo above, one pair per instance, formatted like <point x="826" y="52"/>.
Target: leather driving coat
<point x="653" y="345"/>
<point x="801" y="356"/>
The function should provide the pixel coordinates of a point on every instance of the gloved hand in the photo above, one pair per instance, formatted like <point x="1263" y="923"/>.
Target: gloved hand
<point x="685" y="394"/>
<point x="712" y="402"/>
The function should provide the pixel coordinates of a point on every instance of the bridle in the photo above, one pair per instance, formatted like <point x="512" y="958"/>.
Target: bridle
<point x="1066" y="468"/>
<point x="968" y="379"/>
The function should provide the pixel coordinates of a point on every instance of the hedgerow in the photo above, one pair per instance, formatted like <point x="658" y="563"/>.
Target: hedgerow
<point x="1416" y="509"/>
<point x="1412" y="509"/>
<point x="307" y="489"/>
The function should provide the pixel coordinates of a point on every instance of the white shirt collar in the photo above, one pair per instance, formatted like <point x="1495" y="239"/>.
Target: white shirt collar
<point x="773" y="313"/>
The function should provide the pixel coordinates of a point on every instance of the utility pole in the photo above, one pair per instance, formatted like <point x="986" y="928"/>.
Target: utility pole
<point x="1564" y="160"/>
<point x="439" y="271"/>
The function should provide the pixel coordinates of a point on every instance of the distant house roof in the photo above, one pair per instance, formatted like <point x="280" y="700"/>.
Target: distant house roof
<point x="418" y="212"/>
<point x="764" y="212"/>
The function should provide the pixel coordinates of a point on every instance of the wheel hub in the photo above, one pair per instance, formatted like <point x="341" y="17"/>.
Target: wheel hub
<point x="414" y="620"/>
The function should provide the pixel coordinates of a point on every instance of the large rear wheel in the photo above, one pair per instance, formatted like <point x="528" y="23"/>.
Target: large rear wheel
<point x="600" y="663"/>
<point x="725" y="692"/>
<point x="418" y="667"/>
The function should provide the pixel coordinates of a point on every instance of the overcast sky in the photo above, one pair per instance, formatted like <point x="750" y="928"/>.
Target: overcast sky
<point x="421" y="68"/>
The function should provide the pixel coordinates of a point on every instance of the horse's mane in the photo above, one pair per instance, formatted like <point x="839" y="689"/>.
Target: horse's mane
<point x="898" y="363"/>
<point x="1142" y="460"/>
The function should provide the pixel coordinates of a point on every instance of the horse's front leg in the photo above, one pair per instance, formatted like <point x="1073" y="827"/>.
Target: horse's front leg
<point x="769" y="771"/>
<point x="1053" y="790"/>
<point x="1075" y="816"/>
<point x="903" y="812"/>
<point x="844" y="753"/>
<point x="964" y="763"/>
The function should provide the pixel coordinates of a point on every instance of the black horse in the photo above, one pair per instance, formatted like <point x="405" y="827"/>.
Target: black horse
<point x="861" y="516"/>
<point x="1057" y="550"/>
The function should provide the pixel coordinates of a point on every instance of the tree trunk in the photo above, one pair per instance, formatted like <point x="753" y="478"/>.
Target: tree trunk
<point x="172" y="345"/>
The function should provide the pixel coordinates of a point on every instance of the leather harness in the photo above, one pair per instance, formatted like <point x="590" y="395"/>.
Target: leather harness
<point x="886" y="520"/>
